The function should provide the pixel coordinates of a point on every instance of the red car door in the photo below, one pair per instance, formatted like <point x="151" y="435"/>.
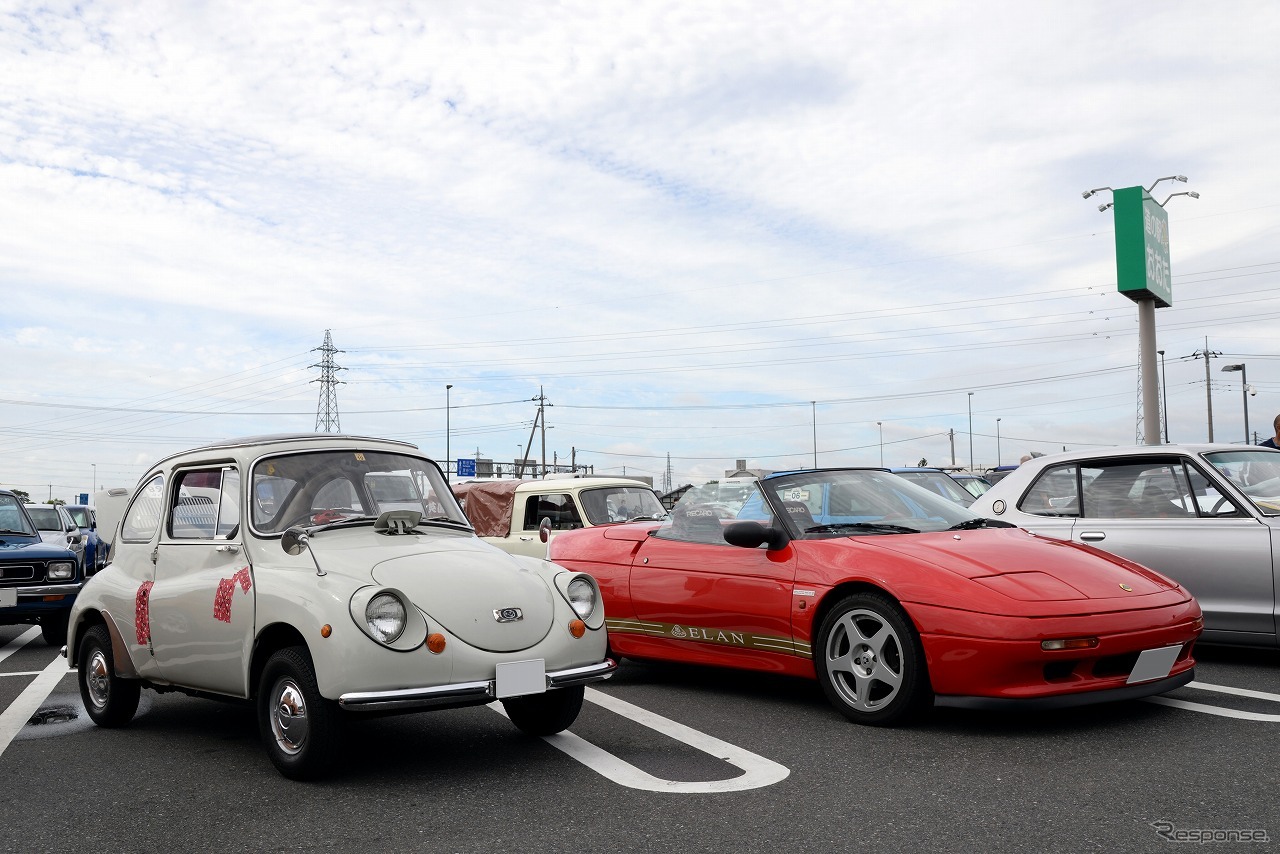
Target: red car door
<point x="734" y="600"/>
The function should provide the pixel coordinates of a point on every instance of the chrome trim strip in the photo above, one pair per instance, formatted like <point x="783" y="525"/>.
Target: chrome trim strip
<point x="464" y="692"/>
<point x="49" y="590"/>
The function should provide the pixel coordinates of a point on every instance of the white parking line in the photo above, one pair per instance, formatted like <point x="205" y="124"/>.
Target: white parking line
<point x="19" y="642"/>
<point x="1222" y="711"/>
<point x="757" y="771"/>
<point x="14" y="718"/>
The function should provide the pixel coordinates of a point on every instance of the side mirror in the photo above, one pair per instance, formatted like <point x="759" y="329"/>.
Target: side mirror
<point x="74" y="539"/>
<point x="294" y="541"/>
<point x="752" y="535"/>
<point x="544" y="529"/>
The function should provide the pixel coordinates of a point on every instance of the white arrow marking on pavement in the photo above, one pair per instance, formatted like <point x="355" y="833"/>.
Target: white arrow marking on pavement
<point x="758" y="771"/>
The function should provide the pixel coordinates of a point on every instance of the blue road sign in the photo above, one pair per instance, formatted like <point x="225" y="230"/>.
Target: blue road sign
<point x="466" y="468"/>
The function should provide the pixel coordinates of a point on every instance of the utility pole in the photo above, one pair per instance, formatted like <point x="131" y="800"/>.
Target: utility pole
<point x="1207" y="354"/>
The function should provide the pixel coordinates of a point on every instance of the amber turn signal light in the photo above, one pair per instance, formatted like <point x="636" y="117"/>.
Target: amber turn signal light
<point x="326" y="630"/>
<point x="435" y="643"/>
<point x="577" y="628"/>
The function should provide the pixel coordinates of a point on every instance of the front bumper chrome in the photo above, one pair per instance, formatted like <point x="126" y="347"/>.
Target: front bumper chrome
<point x="465" y="693"/>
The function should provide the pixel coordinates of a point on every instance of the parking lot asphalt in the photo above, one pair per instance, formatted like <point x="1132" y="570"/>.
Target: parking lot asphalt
<point x="690" y="759"/>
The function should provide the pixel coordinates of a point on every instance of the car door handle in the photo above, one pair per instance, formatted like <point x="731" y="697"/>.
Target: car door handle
<point x="229" y="548"/>
<point x="1092" y="536"/>
<point x="526" y="539"/>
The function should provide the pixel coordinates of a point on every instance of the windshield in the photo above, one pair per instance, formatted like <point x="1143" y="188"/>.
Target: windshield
<point x="1255" y="472"/>
<point x="12" y="518"/>
<point x="80" y="515"/>
<point x="46" y="518"/>
<point x="843" y="502"/>
<point x="941" y="483"/>
<point x="320" y="487"/>
<point x="620" y="504"/>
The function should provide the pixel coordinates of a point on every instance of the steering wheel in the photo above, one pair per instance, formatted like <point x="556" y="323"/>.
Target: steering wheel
<point x="1217" y="505"/>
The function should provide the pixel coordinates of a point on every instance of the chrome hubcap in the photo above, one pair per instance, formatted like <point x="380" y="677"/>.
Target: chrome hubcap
<point x="289" y="722"/>
<point x="98" y="679"/>
<point x="863" y="658"/>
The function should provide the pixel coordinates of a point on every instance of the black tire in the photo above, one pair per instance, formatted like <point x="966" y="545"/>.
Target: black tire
<point x="545" y="714"/>
<point x="300" y="729"/>
<point x="870" y="662"/>
<point x="110" y="700"/>
<point x="54" y="628"/>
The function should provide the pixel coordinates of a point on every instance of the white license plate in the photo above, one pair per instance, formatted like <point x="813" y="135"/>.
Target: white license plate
<point x="518" y="678"/>
<point x="1154" y="663"/>
<point x="8" y="598"/>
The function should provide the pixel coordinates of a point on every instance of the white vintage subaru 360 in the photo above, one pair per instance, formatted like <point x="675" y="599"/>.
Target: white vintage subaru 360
<point x="320" y="576"/>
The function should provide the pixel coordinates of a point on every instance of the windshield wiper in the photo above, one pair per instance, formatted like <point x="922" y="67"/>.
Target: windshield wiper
<point x="873" y="527"/>
<point x="973" y="524"/>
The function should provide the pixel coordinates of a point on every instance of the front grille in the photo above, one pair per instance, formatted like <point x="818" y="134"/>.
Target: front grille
<point x="18" y="572"/>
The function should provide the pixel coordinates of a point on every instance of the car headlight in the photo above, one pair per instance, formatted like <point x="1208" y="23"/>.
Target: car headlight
<point x="61" y="570"/>
<point x="385" y="617"/>
<point x="582" y="596"/>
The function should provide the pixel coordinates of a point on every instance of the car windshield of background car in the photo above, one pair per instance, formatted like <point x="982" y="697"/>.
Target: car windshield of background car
<point x="862" y="497"/>
<point x="80" y="515"/>
<point x="1256" y="473"/>
<point x="941" y="483"/>
<point x="46" y="518"/>
<point x="317" y="487"/>
<point x="620" y="504"/>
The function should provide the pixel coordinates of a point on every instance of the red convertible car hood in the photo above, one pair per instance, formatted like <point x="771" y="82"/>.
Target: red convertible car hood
<point x="1029" y="568"/>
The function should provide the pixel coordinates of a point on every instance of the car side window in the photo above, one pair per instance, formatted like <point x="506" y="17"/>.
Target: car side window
<point x="559" y="508"/>
<point x="1053" y="493"/>
<point x="143" y="519"/>
<point x="1145" y="489"/>
<point x="693" y="523"/>
<point x="206" y="504"/>
<point x="1209" y="501"/>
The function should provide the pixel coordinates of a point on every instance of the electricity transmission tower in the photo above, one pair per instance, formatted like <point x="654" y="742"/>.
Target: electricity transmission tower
<point x="666" y="477"/>
<point x="327" y="408"/>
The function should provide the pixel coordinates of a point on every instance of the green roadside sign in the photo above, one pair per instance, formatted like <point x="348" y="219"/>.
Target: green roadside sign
<point x="1142" y="247"/>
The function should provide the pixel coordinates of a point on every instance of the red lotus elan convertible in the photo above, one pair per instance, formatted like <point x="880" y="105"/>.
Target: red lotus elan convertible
<point x="891" y="596"/>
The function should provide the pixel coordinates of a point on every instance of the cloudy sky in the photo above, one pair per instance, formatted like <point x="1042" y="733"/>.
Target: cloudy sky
<point x="706" y="231"/>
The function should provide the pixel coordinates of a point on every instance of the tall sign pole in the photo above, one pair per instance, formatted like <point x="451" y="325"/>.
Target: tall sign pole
<point x="1143" y="275"/>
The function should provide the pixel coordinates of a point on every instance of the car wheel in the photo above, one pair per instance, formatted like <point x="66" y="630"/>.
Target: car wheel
<point x="54" y="629"/>
<point x="870" y="661"/>
<point x="545" y="714"/>
<point x="299" y="727"/>
<point x="109" y="700"/>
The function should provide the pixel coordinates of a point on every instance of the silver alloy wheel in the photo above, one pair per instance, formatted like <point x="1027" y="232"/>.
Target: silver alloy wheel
<point x="863" y="658"/>
<point x="98" y="679"/>
<point x="289" y="722"/>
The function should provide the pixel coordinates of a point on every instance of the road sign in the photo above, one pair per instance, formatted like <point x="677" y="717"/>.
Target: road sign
<point x="466" y="468"/>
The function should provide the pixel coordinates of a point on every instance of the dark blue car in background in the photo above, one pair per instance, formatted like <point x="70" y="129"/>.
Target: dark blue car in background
<point x="38" y="581"/>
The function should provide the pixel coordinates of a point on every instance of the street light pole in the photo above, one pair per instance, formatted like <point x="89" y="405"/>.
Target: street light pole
<point x="95" y="479"/>
<point x="448" y="454"/>
<point x="881" y="426"/>
<point x="998" y="463"/>
<point x="970" y="431"/>
<point x="813" y="404"/>
<point x="1244" y="394"/>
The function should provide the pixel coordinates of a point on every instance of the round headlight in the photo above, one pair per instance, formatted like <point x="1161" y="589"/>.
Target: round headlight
<point x="582" y="596"/>
<point x="385" y="617"/>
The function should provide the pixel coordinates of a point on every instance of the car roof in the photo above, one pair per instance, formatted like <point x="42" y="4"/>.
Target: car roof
<point x="279" y="438"/>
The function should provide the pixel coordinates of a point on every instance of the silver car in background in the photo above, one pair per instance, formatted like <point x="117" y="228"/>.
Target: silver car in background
<point x="57" y="528"/>
<point x="1207" y="516"/>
